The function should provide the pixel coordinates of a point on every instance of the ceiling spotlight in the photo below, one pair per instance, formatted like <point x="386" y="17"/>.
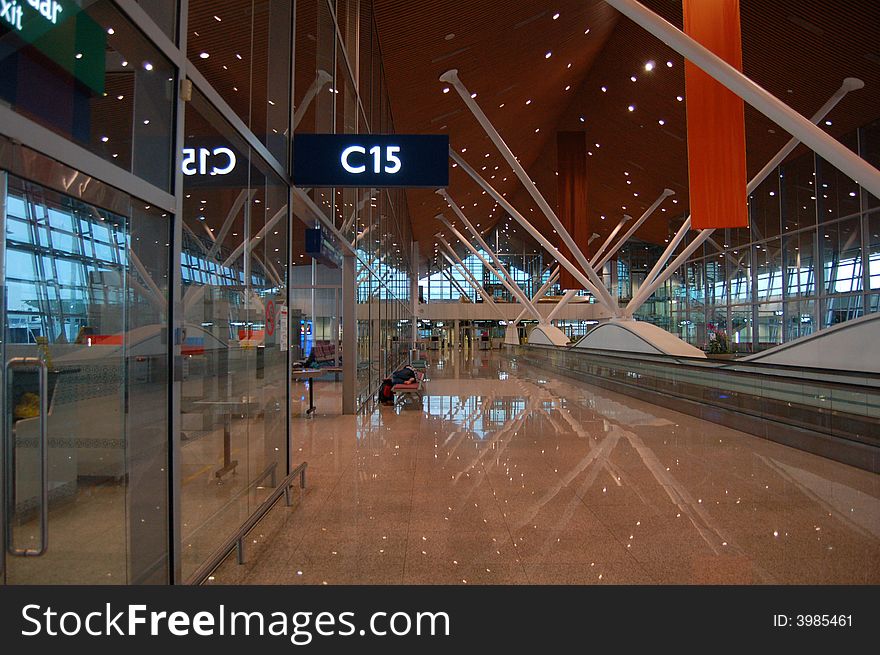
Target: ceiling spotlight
<point x="679" y="98"/>
<point x="556" y="15"/>
<point x="473" y="95"/>
<point x="446" y="89"/>
<point x="632" y="78"/>
<point x="204" y="55"/>
<point x="661" y="122"/>
<point x="631" y="108"/>
<point x="649" y="66"/>
<point x="548" y="55"/>
<point x="148" y="66"/>
<point x="604" y="89"/>
<point x="668" y="64"/>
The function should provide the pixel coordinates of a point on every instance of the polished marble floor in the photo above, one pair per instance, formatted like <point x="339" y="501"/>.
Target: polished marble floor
<point x="507" y="474"/>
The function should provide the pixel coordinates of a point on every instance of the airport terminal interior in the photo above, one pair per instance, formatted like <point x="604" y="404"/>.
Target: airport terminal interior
<point x="394" y="292"/>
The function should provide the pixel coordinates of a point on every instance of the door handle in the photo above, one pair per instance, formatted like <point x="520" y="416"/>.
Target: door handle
<point x="40" y="365"/>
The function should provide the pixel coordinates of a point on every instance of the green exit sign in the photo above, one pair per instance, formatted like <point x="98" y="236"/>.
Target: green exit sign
<point x="60" y="30"/>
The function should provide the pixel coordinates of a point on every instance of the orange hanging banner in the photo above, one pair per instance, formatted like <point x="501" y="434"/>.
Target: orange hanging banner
<point x="716" y="130"/>
<point x="571" y="162"/>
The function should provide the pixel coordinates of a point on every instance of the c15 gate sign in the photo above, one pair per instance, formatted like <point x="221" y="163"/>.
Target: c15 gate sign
<point x="371" y="160"/>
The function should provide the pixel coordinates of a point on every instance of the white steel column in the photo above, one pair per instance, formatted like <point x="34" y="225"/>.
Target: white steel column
<point x="349" y="334"/>
<point x="451" y="76"/>
<point x="554" y="276"/>
<point x="470" y="278"/>
<point x="617" y="246"/>
<point x="566" y="298"/>
<point x="792" y="122"/>
<point x="626" y="217"/>
<point x="599" y="292"/>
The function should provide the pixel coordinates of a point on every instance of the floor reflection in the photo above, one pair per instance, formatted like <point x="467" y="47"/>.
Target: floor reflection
<point x="509" y="474"/>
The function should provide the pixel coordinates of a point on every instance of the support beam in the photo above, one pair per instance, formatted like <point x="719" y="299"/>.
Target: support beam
<point x="515" y="288"/>
<point x="321" y="79"/>
<point x="599" y="292"/>
<point x="635" y="226"/>
<point x="246" y="195"/>
<point x="470" y="278"/>
<point x="451" y="77"/>
<point x="349" y="335"/>
<point x="445" y="273"/>
<point x="605" y="244"/>
<point x="844" y="159"/>
<point x="346" y="226"/>
<point x="566" y="298"/>
<point x="551" y="280"/>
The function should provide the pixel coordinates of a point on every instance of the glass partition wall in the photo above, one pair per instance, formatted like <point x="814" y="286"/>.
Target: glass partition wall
<point x="155" y="282"/>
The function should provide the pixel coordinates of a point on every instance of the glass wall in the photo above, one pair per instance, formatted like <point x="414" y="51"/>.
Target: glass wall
<point x="86" y="294"/>
<point x="809" y="260"/>
<point x="175" y="320"/>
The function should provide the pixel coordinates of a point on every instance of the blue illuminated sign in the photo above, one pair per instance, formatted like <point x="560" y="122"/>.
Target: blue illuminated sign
<point x="371" y="160"/>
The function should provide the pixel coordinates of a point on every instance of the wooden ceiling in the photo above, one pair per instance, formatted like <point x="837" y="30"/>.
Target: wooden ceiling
<point x="799" y="50"/>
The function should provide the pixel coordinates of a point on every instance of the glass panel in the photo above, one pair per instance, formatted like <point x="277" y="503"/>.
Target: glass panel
<point x="164" y="13"/>
<point x="234" y="380"/>
<point x="243" y="50"/>
<point x="112" y="91"/>
<point x="88" y="296"/>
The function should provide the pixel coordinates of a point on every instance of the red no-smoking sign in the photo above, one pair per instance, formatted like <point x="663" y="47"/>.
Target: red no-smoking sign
<point x="270" y="318"/>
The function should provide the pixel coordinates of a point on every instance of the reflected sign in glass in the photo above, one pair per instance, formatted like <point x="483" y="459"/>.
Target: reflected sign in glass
<point x="371" y="160"/>
<point x="62" y="32"/>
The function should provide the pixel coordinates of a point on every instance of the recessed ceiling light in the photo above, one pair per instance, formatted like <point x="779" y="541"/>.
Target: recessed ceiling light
<point x="548" y="55"/>
<point x="604" y="89"/>
<point x="124" y="63"/>
<point x="679" y="98"/>
<point x="827" y="122"/>
<point x="661" y="122"/>
<point x="632" y="78"/>
<point x="528" y="102"/>
<point x="556" y="15"/>
<point x="104" y="139"/>
<point x="473" y="95"/>
<point x="111" y="31"/>
<point x="567" y="87"/>
<point x="587" y="31"/>
<point x="445" y="89"/>
<point x="631" y="108"/>
<point x="204" y="55"/>
<point x="582" y="119"/>
<point x="649" y="66"/>
<point x="148" y="66"/>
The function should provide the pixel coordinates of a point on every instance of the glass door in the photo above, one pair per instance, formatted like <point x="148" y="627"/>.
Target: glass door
<point x="84" y="390"/>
